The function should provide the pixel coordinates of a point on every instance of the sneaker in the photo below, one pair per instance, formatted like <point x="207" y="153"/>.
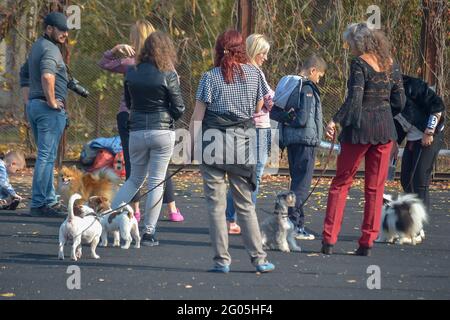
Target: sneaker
<point x="13" y="205"/>
<point x="233" y="228"/>
<point x="219" y="268"/>
<point x="176" y="216"/>
<point x="265" y="267"/>
<point x="302" y="234"/>
<point x="137" y="215"/>
<point x="46" y="212"/>
<point x="58" y="206"/>
<point x="363" y="251"/>
<point x="3" y="204"/>
<point x="149" y="240"/>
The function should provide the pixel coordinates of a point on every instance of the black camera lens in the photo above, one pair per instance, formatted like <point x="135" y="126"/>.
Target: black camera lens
<point x="77" y="88"/>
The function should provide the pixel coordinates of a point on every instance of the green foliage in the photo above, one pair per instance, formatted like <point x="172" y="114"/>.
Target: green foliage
<point x="296" y="29"/>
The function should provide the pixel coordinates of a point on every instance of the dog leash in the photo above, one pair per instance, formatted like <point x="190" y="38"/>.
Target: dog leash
<point x="133" y="199"/>
<point x="321" y="174"/>
<point x="414" y="169"/>
<point x="118" y="209"/>
<point x="330" y="151"/>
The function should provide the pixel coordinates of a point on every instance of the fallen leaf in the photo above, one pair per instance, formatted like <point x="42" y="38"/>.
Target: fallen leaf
<point x="7" y="295"/>
<point x="312" y="255"/>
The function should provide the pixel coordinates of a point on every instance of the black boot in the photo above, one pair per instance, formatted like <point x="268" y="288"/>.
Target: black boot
<point x="327" y="248"/>
<point x="363" y="251"/>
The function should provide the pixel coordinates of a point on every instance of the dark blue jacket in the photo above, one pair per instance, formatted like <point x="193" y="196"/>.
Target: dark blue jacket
<point x="304" y="126"/>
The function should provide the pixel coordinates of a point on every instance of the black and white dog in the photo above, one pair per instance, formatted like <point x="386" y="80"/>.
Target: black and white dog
<point x="402" y="220"/>
<point x="277" y="231"/>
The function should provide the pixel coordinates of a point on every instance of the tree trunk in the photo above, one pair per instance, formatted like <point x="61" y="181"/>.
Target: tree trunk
<point x="246" y="17"/>
<point x="15" y="53"/>
<point x="433" y="43"/>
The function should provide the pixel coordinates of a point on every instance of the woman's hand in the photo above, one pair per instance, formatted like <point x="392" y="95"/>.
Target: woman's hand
<point x="427" y="138"/>
<point x="124" y="49"/>
<point x="330" y="130"/>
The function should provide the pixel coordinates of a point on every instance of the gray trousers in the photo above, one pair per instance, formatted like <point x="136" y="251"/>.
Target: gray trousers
<point x="150" y="153"/>
<point x="215" y="189"/>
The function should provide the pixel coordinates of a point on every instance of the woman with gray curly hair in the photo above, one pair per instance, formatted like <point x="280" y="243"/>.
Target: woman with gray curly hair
<point x="375" y="95"/>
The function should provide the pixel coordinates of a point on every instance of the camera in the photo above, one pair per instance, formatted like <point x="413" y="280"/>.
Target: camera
<point x="75" y="86"/>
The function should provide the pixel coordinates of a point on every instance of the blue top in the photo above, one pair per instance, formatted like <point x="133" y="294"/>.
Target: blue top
<point x="45" y="57"/>
<point x="5" y="186"/>
<point x="238" y="98"/>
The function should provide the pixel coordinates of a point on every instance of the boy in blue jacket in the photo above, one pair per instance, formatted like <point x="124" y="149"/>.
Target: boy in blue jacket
<point x="300" y="122"/>
<point x="9" y="199"/>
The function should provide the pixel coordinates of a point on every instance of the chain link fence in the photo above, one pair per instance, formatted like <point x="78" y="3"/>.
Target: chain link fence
<point x="296" y="29"/>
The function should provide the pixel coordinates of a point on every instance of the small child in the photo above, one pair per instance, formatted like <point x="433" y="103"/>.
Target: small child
<point x="300" y="124"/>
<point x="9" y="199"/>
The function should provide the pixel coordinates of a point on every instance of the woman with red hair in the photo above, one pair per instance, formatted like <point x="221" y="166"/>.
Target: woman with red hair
<point x="227" y="97"/>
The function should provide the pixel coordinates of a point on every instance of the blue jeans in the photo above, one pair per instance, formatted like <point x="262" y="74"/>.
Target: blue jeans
<point x="48" y="126"/>
<point x="263" y="149"/>
<point x="301" y="168"/>
<point x="150" y="153"/>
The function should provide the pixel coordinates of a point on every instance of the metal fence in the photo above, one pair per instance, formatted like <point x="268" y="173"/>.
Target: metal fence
<point x="296" y="29"/>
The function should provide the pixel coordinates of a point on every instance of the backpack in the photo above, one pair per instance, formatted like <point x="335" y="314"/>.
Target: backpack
<point x="285" y="88"/>
<point x="103" y="159"/>
<point x="88" y="154"/>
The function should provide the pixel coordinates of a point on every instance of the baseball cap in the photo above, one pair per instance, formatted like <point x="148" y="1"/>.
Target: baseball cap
<point x="56" y="19"/>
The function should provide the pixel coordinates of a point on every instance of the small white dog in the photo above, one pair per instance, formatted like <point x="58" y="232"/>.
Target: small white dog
<point x="123" y="222"/>
<point x="82" y="226"/>
<point x="402" y="220"/>
<point x="277" y="231"/>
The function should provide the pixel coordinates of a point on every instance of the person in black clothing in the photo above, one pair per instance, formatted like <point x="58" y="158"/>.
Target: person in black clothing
<point x="153" y="95"/>
<point x="375" y="96"/>
<point x="422" y="124"/>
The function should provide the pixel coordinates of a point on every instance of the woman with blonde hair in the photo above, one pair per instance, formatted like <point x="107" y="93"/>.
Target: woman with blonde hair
<point x="117" y="60"/>
<point x="257" y="47"/>
<point x="375" y="95"/>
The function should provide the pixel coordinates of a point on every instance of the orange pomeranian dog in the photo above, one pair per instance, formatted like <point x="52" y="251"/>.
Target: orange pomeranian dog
<point x="103" y="183"/>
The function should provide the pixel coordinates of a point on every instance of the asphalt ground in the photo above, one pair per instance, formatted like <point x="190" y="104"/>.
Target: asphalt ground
<point x="177" y="268"/>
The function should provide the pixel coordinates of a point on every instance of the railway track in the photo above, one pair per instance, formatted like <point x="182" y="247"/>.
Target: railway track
<point x="330" y="173"/>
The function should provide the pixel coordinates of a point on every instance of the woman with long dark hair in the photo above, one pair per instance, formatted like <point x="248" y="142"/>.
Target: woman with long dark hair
<point x="153" y="95"/>
<point x="117" y="60"/>
<point x="375" y="96"/>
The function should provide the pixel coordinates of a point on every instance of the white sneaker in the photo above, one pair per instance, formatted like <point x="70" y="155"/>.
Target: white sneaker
<point x="302" y="234"/>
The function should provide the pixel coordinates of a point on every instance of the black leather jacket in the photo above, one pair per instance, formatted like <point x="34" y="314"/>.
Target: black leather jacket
<point x="421" y="102"/>
<point x="154" y="98"/>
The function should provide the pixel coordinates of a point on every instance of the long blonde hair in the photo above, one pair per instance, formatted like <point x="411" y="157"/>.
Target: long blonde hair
<point x="256" y="44"/>
<point x="139" y="32"/>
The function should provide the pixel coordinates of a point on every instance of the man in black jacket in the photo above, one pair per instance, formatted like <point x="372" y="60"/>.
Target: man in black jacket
<point x="422" y="123"/>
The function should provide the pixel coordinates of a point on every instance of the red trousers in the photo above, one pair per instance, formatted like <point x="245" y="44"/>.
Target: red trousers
<point x="376" y="169"/>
